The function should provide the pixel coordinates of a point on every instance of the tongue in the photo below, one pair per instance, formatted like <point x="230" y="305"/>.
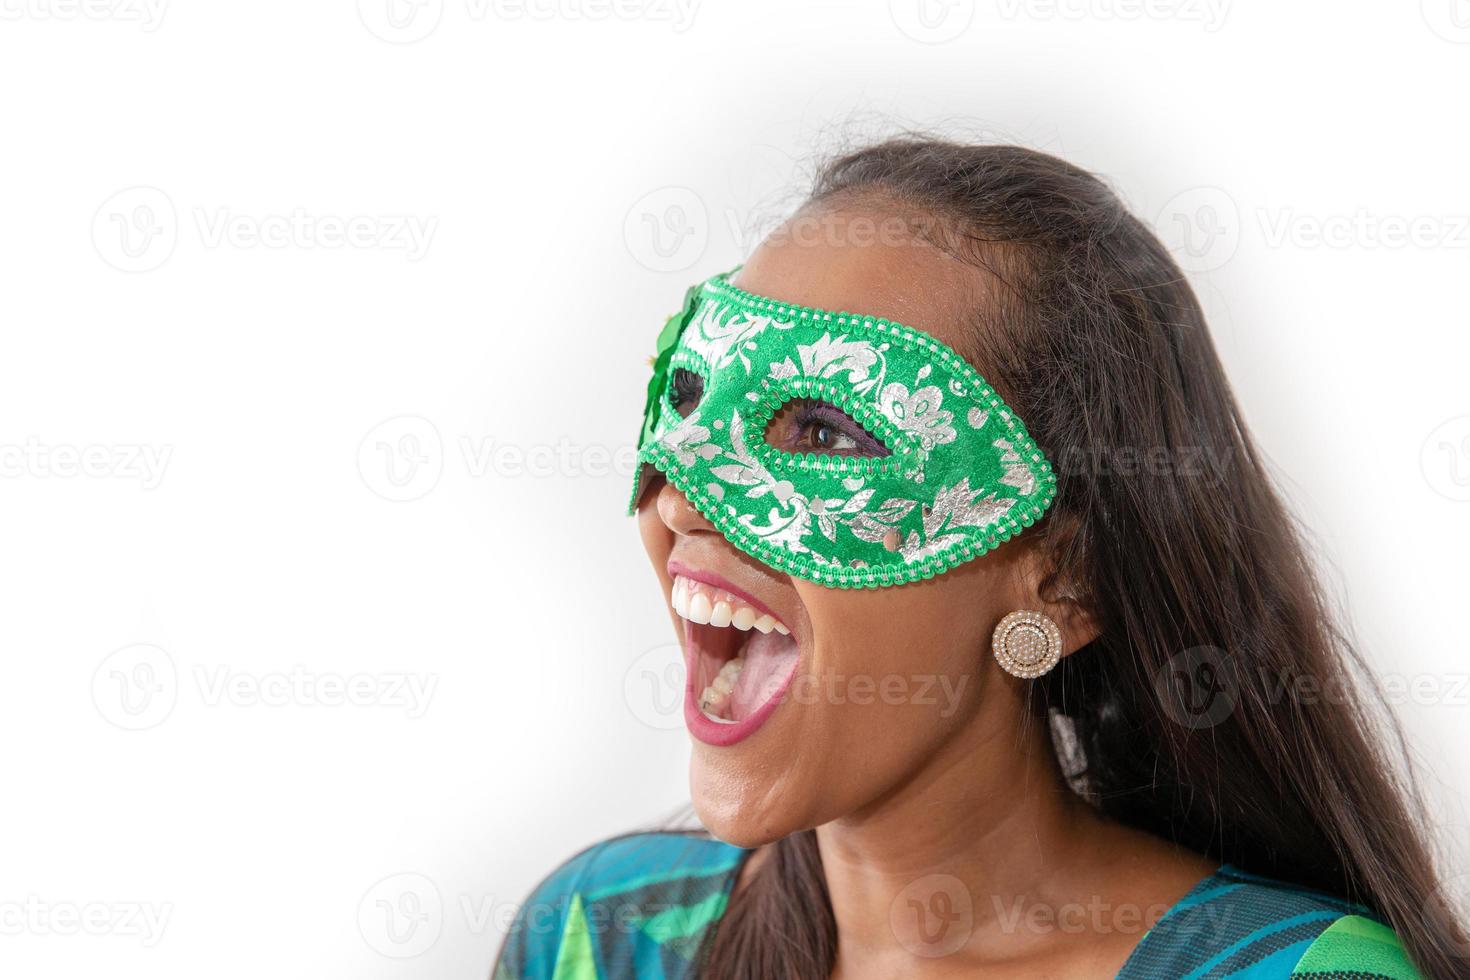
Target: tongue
<point x="769" y="660"/>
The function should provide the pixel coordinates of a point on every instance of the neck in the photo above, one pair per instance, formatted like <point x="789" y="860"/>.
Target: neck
<point x="937" y="867"/>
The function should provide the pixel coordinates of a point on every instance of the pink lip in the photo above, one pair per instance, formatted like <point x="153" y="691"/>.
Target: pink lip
<point x="716" y="733"/>
<point x="710" y="578"/>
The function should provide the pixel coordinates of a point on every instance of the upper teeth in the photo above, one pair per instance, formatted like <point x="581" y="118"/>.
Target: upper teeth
<point x="704" y="604"/>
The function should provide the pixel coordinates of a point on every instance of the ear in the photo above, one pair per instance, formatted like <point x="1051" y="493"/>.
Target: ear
<point x="1075" y="620"/>
<point x="1056" y="592"/>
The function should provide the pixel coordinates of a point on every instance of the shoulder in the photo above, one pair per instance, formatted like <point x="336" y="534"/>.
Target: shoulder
<point x="629" y="906"/>
<point x="1247" y="927"/>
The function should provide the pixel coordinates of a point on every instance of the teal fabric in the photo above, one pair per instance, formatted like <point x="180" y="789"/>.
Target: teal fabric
<point x="640" y="906"/>
<point x="1244" y="927"/>
<point x="635" y="906"/>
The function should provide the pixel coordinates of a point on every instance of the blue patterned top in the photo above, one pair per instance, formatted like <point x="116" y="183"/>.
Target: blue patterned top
<point x="640" y="906"/>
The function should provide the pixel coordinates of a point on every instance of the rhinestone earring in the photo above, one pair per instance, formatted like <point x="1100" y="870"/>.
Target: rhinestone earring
<point x="1027" y="644"/>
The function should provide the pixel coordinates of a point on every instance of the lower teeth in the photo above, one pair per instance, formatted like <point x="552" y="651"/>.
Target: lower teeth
<point x="716" y="697"/>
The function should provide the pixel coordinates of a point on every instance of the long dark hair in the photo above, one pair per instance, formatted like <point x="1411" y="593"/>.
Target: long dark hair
<point x="1167" y="523"/>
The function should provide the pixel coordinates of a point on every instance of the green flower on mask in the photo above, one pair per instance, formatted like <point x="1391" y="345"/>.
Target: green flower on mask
<point x="663" y="351"/>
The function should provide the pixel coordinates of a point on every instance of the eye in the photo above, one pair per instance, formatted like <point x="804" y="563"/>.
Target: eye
<point x="805" y="425"/>
<point x="687" y="391"/>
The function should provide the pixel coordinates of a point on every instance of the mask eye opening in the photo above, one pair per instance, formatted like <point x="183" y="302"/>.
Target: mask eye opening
<point x="805" y="425"/>
<point x="685" y="390"/>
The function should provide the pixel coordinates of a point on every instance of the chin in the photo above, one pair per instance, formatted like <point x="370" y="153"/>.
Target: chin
<point x="739" y="813"/>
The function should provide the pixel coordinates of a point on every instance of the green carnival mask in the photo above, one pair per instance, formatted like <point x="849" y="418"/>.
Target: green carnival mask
<point x="962" y="475"/>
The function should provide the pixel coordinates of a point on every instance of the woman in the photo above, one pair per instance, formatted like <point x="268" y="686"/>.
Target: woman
<point x="994" y="624"/>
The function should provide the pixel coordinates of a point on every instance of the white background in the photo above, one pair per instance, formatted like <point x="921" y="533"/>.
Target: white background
<point x="176" y="289"/>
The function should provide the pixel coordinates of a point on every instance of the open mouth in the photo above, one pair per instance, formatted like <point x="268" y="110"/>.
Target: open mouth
<point x="740" y="658"/>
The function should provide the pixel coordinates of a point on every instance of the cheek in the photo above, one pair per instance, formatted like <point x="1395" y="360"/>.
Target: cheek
<point x="897" y="671"/>
<point x="929" y="626"/>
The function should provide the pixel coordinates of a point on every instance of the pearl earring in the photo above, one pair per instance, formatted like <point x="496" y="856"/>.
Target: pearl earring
<point x="1027" y="644"/>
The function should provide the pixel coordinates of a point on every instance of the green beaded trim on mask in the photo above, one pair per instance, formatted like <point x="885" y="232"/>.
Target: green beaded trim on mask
<point x="963" y="475"/>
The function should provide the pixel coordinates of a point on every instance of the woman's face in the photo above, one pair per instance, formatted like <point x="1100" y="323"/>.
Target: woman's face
<point x="882" y="687"/>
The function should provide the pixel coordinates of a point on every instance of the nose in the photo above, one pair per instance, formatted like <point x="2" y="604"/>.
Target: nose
<point x="678" y="514"/>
